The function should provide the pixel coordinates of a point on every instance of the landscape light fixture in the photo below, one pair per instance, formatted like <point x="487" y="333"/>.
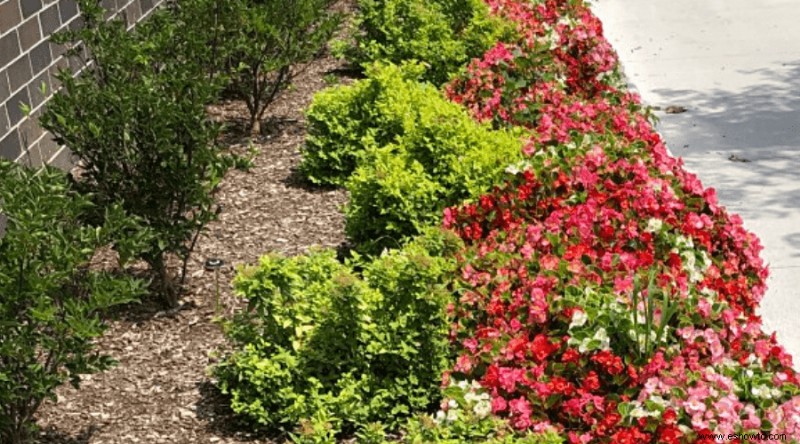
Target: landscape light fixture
<point x="214" y="264"/>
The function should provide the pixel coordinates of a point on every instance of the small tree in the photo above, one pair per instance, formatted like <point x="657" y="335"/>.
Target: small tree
<point x="136" y="120"/>
<point x="257" y="44"/>
<point x="50" y="295"/>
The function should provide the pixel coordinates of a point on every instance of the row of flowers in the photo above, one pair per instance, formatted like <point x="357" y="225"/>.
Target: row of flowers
<point x="604" y="292"/>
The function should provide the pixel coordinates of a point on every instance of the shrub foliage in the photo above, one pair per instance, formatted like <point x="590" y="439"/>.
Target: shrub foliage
<point x="408" y="153"/>
<point x="344" y="120"/>
<point x="321" y="340"/>
<point x="51" y="295"/>
<point x="442" y="34"/>
<point x="256" y="45"/>
<point x="136" y="121"/>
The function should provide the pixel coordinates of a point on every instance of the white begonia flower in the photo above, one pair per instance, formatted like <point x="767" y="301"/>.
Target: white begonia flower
<point x="463" y="384"/>
<point x="440" y="417"/>
<point x="694" y="269"/>
<point x="452" y="415"/>
<point x="641" y="341"/>
<point x="555" y="39"/>
<point x="639" y="411"/>
<point x="708" y="292"/>
<point x="516" y="168"/>
<point x="600" y="335"/>
<point x="641" y="319"/>
<point x="472" y="397"/>
<point x="478" y="397"/>
<point x="685" y="242"/>
<point x="452" y="404"/>
<point x="706" y="259"/>
<point x="579" y="318"/>
<point x="658" y="400"/>
<point x="762" y="391"/>
<point x="689" y="260"/>
<point x="583" y="345"/>
<point x="482" y="409"/>
<point x="654" y="225"/>
<point x="616" y="307"/>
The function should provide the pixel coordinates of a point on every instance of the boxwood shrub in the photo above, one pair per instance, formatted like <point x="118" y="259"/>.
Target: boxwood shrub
<point x="395" y="194"/>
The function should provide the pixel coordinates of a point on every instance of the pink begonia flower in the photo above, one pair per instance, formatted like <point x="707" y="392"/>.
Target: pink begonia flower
<point x="704" y="307"/>
<point x="520" y="413"/>
<point x="753" y="421"/>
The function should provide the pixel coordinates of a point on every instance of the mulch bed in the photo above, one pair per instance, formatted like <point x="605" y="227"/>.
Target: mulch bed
<point x="160" y="391"/>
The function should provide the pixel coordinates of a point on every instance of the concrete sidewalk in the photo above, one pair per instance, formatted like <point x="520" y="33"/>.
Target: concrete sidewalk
<point x="735" y="65"/>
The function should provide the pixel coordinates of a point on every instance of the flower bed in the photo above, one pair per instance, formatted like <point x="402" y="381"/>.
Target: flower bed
<point x="605" y="293"/>
<point x="601" y="293"/>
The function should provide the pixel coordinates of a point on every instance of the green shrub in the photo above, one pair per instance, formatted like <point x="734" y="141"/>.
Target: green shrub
<point x="202" y="28"/>
<point x="51" y="295"/>
<point x="391" y="197"/>
<point x="442" y="34"/>
<point x="344" y="120"/>
<point x="137" y="123"/>
<point x="400" y="189"/>
<point x="403" y="151"/>
<point x="257" y="45"/>
<point x="331" y="349"/>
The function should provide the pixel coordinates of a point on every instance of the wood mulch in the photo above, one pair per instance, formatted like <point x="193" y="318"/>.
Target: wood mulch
<point x="160" y="391"/>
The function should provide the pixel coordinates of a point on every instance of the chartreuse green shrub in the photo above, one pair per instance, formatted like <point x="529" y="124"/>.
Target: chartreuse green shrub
<point x="136" y="120"/>
<point x="327" y="348"/>
<point x="402" y="188"/>
<point x="403" y="151"/>
<point x="442" y="34"/>
<point x="344" y="120"/>
<point x="50" y="297"/>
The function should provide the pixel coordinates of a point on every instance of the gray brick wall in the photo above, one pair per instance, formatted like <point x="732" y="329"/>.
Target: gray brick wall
<point x="28" y="60"/>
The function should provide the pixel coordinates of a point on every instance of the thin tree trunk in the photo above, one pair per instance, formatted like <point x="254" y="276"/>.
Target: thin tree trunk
<point x="164" y="284"/>
<point x="255" y="125"/>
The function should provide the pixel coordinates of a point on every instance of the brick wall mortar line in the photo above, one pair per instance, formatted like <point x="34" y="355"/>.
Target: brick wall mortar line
<point x="30" y="145"/>
<point x="36" y="74"/>
<point x="61" y="28"/>
<point x="56" y="154"/>
<point x="44" y="102"/>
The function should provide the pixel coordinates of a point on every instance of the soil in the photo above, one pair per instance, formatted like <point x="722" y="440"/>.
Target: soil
<point x="160" y="391"/>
